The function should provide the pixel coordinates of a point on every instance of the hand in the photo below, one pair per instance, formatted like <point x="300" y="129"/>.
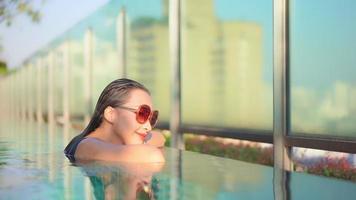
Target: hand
<point x="155" y="138"/>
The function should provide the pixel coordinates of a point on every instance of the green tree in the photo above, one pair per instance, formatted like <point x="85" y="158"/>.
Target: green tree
<point x="3" y="67"/>
<point x="9" y="9"/>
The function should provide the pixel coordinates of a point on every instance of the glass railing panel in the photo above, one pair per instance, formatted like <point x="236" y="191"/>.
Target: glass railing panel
<point x="227" y="63"/>
<point x="306" y="186"/>
<point x="43" y="62"/>
<point x="322" y="67"/>
<point x="58" y="82"/>
<point x="105" y="56"/>
<point x="148" y="50"/>
<point x="77" y="72"/>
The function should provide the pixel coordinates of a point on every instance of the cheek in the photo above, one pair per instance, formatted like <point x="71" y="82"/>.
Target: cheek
<point x="126" y="126"/>
<point x="127" y="131"/>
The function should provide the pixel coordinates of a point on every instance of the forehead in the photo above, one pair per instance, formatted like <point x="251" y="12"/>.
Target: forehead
<point x="138" y="97"/>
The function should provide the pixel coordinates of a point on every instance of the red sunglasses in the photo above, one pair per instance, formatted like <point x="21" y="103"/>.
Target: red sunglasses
<point x="143" y="113"/>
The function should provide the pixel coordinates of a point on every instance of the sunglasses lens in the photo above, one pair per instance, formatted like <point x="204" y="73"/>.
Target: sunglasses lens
<point x="154" y="118"/>
<point x="143" y="114"/>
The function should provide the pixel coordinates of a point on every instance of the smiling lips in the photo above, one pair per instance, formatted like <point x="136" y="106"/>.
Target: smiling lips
<point x="142" y="135"/>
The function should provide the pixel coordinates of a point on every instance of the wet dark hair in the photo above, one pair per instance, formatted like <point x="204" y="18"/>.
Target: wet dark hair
<point x="114" y="94"/>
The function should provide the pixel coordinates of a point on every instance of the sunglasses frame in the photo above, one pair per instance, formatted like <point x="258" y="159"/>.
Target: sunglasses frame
<point x="137" y="111"/>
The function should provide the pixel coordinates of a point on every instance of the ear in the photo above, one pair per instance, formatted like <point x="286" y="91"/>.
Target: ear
<point x="109" y="114"/>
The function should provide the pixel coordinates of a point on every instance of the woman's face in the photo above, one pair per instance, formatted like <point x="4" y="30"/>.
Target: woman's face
<point x="126" y="125"/>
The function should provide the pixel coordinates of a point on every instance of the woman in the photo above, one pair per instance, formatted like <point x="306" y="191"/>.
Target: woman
<point x="120" y="128"/>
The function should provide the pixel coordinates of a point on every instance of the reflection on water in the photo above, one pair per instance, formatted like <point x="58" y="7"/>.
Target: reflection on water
<point x="32" y="164"/>
<point x="122" y="180"/>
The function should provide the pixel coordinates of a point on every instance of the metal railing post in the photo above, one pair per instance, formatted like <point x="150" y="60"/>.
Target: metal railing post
<point x="39" y="68"/>
<point x="175" y="57"/>
<point x="66" y="91"/>
<point x="88" y="74"/>
<point x="280" y="100"/>
<point x="30" y="88"/>
<point x="121" y="42"/>
<point x="50" y="113"/>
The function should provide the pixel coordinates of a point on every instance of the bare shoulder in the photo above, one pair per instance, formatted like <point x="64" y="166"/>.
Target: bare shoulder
<point x="94" y="149"/>
<point x="88" y="149"/>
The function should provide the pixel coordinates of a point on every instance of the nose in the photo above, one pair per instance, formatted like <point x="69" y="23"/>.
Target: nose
<point x="147" y="126"/>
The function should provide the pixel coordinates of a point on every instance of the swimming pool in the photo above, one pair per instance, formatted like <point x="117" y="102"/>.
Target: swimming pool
<point x="32" y="166"/>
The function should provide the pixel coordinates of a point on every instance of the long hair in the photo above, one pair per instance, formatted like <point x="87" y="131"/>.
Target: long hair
<point x="114" y="94"/>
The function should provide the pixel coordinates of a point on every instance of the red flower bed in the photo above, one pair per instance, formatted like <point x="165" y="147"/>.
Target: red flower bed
<point x="238" y="151"/>
<point x="333" y="167"/>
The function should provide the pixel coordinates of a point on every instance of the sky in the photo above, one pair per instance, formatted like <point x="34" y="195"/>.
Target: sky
<point x="23" y="37"/>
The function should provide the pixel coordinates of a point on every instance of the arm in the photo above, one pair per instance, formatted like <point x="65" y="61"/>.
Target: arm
<point x="93" y="149"/>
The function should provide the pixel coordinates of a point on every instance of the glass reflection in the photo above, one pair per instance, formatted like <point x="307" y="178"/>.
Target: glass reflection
<point x="148" y="50"/>
<point x="227" y="63"/>
<point x="323" y="89"/>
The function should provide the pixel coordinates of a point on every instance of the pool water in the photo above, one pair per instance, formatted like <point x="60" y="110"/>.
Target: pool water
<point x="32" y="166"/>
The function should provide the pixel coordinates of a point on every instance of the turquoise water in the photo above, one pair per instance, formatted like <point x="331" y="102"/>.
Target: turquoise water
<point x="32" y="166"/>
